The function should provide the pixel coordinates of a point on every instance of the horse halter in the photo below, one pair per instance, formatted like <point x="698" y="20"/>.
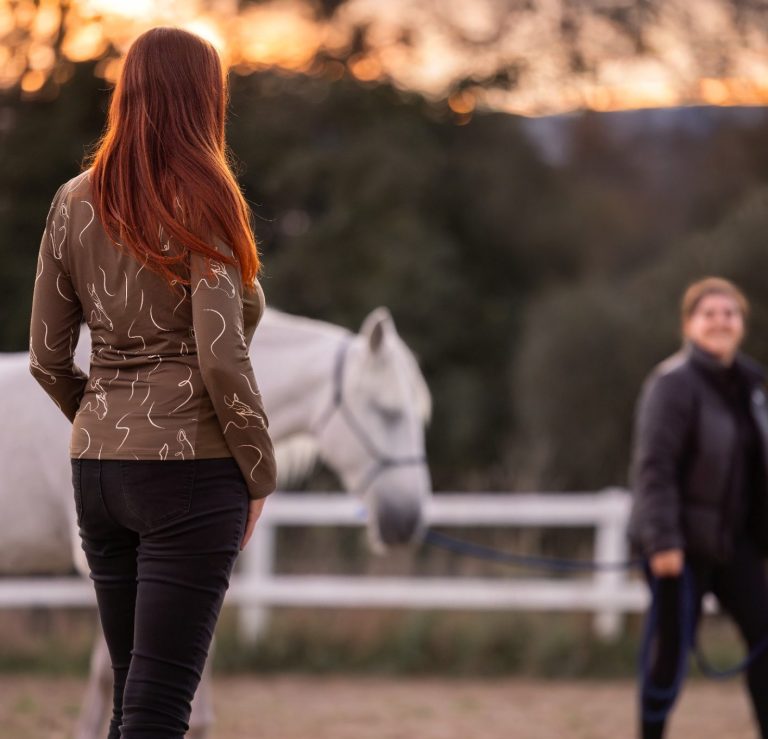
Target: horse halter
<point x="381" y="460"/>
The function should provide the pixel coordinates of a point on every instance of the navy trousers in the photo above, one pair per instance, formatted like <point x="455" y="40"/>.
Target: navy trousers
<point x="741" y="587"/>
<point x="161" y="538"/>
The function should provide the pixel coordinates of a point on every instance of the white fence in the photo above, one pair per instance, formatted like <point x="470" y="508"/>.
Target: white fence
<point x="255" y="587"/>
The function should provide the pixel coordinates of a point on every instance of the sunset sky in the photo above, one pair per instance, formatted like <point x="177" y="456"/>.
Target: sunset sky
<point x="560" y="55"/>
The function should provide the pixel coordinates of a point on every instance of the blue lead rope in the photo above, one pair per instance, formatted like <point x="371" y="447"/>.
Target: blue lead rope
<point x="717" y="674"/>
<point x="649" y="691"/>
<point x="550" y="564"/>
<point x="688" y="640"/>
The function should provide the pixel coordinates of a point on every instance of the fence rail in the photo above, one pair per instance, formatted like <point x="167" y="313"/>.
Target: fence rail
<point x="255" y="587"/>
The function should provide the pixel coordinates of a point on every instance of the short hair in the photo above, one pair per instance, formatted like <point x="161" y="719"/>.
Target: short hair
<point x="698" y="290"/>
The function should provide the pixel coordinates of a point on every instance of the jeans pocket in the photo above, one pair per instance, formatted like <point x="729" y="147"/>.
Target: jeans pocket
<point x="157" y="491"/>
<point x="77" y="489"/>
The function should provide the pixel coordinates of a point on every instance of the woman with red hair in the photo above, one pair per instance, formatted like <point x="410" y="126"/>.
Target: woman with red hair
<point x="171" y="457"/>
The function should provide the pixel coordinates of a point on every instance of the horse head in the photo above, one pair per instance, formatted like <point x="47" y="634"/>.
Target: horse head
<point x="372" y="432"/>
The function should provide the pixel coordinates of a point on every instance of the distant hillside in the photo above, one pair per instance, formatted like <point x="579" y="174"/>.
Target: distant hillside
<point x="553" y="135"/>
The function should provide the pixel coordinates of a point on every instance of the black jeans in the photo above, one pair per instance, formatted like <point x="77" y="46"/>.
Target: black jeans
<point x="741" y="587"/>
<point x="161" y="538"/>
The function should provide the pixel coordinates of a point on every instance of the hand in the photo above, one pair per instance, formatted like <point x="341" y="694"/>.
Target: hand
<point x="255" y="508"/>
<point x="667" y="563"/>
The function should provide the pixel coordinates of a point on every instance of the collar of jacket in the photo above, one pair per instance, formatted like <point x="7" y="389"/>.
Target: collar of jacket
<point x="751" y="369"/>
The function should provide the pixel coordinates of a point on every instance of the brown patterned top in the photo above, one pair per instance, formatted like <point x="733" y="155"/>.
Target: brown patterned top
<point x="170" y="377"/>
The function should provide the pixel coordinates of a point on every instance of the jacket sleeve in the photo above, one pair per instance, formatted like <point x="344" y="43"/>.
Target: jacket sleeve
<point x="664" y="416"/>
<point x="225" y="367"/>
<point x="56" y="313"/>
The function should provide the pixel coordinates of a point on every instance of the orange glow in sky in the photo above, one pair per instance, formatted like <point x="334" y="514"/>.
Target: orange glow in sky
<point x="419" y="45"/>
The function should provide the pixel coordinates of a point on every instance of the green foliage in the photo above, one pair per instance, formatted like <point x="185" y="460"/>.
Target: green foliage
<point x="424" y="643"/>
<point x="371" y="198"/>
<point x="46" y="640"/>
<point x="448" y="644"/>
<point x="42" y="146"/>
<point x="586" y="349"/>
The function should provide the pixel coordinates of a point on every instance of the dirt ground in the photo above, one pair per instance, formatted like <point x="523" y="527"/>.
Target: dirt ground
<point x="319" y="707"/>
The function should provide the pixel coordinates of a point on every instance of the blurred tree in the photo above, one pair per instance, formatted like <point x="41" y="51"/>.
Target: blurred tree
<point x="609" y="54"/>
<point x="640" y="180"/>
<point x="41" y="145"/>
<point x="374" y="198"/>
<point x="586" y="349"/>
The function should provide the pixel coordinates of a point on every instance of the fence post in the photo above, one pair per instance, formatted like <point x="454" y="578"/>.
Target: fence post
<point x="611" y="546"/>
<point x="258" y="560"/>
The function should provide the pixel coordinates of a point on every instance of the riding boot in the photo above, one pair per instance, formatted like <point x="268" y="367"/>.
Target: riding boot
<point x="652" y="730"/>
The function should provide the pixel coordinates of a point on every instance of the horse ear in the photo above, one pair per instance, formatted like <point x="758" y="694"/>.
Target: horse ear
<point x="374" y="327"/>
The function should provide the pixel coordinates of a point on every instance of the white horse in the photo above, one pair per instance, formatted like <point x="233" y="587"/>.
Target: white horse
<point x="358" y="402"/>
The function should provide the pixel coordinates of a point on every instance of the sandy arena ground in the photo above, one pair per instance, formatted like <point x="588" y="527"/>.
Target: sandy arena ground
<point x="317" y="707"/>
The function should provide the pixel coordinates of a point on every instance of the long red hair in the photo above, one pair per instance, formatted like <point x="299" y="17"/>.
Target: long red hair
<point x="162" y="164"/>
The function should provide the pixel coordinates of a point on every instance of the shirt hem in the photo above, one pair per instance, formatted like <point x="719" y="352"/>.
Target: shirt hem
<point x="149" y="454"/>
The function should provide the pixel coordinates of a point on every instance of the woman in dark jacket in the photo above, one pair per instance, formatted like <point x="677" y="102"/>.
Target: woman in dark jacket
<point x="700" y="513"/>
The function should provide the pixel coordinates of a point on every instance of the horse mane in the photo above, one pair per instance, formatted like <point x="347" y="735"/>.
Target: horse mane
<point x="296" y="456"/>
<point x="418" y="384"/>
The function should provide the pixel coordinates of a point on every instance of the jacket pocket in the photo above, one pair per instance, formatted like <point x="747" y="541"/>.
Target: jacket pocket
<point x="157" y="491"/>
